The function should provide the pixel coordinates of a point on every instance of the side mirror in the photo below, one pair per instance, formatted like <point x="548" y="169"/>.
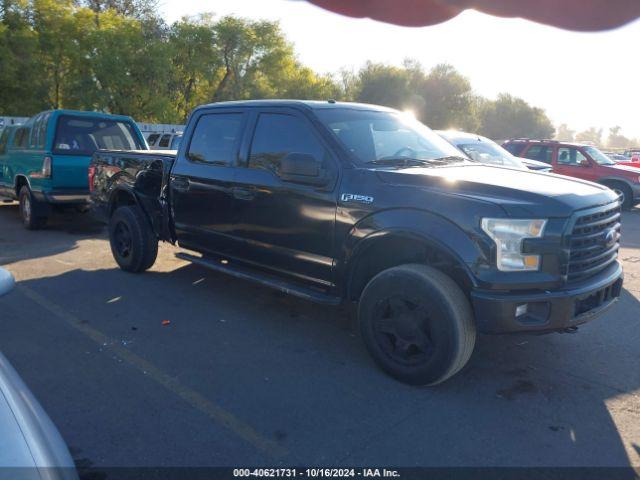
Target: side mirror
<point x="585" y="163"/>
<point x="301" y="168"/>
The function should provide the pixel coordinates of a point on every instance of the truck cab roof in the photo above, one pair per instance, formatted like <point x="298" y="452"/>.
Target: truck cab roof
<point x="307" y="104"/>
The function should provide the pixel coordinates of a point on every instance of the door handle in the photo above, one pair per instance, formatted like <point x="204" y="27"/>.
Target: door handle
<point x="180" y="184"/>
<point x="243" y="193"/>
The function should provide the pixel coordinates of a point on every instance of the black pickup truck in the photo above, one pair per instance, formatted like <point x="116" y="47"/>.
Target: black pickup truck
<point x="348" y="203"/>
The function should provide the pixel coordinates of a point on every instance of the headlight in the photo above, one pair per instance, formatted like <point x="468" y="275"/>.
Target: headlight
<point x="508" y="235"/>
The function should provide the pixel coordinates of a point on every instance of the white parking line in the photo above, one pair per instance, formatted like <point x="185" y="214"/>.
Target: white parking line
<point x="192" y="397"/>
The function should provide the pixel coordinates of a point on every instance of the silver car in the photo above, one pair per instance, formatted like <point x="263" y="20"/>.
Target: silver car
<point x="485" y="150"/>
<point x="30" y="445"/>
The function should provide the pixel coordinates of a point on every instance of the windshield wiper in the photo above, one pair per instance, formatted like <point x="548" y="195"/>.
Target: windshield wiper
<point x="396" y="161"/>
<point x="454" y="158"/>
<point x="409" y="161"/>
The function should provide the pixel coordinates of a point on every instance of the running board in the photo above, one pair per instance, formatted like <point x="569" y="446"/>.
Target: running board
<point x="263" y="279"/>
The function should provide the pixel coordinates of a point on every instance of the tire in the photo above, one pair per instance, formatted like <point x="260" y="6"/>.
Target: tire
<point x="417" y="324"/>
<point x="133" y="244"/>
<point x="29" y="210"/>
<point x="625" y="192"/>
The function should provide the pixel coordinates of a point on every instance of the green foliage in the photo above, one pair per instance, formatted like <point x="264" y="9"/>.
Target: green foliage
<point x="617" y="140"/>
<point x="118" y="56"/>
<point x="448" y="99"/>
<point x="443" y="98"/>
<point x="564" y="133"/>
<point x="512" y="117"/>
<point x="383" y="85"/>
<point x="592" y="134"/>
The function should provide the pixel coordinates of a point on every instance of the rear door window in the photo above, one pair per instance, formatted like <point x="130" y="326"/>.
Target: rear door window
<point x="83" y="136"/>
<point x="34" y="131"/>
<point x="216" y="138"/>
<point x="515" y="148"/>
<point x="4" y="140"/>
<point x="39" y="131"/>
<point x="21" y="139"/>
<point x="41" y="141"/>
<point x="541" y="153"/>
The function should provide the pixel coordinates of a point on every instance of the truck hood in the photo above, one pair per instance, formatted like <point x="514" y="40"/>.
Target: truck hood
<point x="520" y="193"/>
<point x="623" y="170"/>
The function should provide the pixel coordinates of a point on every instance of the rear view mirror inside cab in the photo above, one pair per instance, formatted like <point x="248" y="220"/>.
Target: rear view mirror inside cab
<point x="385" y="126"/>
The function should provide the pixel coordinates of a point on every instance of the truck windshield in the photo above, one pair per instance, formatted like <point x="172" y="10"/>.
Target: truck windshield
<point x="84" y="135"/>
<point x="371" y="136"/>
<point x="598" y="157"/>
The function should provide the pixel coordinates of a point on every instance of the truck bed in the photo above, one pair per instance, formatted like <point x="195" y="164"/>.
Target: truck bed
<point x="117" y="176"/>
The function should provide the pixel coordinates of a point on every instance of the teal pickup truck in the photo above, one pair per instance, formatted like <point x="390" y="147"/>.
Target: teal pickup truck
<point x="44" y="162"/>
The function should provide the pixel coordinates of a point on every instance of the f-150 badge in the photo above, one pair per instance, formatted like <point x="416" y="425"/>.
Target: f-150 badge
<point x="352" y="197"/>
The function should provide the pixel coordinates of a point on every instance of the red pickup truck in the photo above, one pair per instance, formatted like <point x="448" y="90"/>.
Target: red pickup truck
<point x="582" y="161"/>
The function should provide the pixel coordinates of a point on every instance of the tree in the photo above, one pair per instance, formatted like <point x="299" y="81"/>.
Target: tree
<point x="139" y="9"/>
<point x="194" y="62"/>
<point x="123" y="71"/>
<point x="592" y="134"/>
<point x="564" y="133"/>
<point x="118" y="56"/>
<point x="383" y="85"/>
<point x="22" y="79"/>
<point x="58" y="29"/>
<point x="617" y="140"/>
<point x="512" y="117"/>
<point x="448" y="98"/>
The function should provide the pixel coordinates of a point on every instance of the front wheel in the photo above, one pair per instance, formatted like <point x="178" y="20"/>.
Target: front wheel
<point x="417" y="324"/>
<point x="133" y="244"/>
<point x="625" y="194"/>
<point x="32" y="219"/>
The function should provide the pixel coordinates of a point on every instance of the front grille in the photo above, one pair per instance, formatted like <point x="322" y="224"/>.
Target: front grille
<point x="590" y="252"/>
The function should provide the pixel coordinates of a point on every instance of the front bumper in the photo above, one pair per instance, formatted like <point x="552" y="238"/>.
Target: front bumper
<point x="547" y="311"/>
<point x="64" y="197"/>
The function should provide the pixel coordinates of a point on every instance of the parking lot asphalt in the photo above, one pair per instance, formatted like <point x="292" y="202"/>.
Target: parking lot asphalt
<point x="245" y="376"/>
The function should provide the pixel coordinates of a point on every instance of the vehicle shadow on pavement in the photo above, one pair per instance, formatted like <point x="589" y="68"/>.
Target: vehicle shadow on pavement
<point x="297" y="373"/>
<point x="60" y="235"/>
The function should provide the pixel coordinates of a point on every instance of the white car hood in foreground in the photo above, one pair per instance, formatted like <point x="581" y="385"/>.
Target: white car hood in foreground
<point x="30" y="444"/>
<point x="6" y="281"/>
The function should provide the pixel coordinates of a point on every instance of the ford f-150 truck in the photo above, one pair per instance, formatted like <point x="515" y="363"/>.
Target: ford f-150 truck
<point x="360" y="204"/>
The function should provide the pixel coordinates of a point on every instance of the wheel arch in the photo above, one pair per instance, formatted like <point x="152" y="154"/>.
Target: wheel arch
<point x="20" y="181"/>
<point x="407" y="237"/>
<point x="122" y="196"/>
<point x="615" y="179"/>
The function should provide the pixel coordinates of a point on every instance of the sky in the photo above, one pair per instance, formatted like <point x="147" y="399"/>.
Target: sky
<point x="582" y="79"/>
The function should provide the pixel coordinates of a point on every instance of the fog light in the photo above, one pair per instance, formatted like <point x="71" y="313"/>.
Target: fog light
<point x="521" y="309"/>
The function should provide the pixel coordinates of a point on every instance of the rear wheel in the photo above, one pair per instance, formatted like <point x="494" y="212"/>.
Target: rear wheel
<point x="133" y="244"/>
<point x="417" y="324"/>
<point x="30" y="213"/>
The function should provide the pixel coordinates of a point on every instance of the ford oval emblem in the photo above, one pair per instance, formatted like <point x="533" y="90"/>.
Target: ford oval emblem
<point x="609" y="238"/>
